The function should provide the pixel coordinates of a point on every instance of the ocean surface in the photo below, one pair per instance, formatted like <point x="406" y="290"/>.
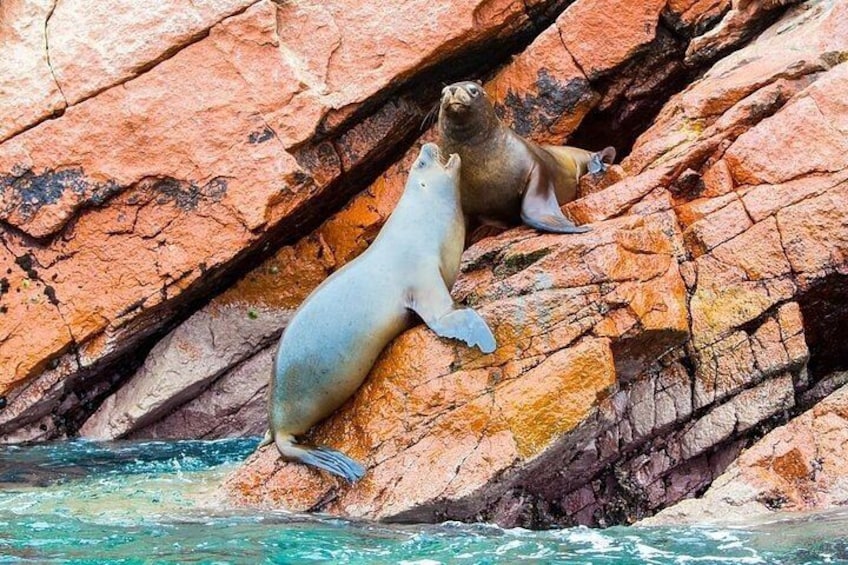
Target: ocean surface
<point x="149" y="502"/>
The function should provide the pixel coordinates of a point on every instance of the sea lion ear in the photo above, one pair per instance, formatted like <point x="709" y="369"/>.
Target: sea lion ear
<point x="479" y="82"/>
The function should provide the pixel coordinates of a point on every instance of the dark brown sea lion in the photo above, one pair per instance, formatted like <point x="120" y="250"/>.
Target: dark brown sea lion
<point x="337" y="333"/>
<point x="506" y="179"/>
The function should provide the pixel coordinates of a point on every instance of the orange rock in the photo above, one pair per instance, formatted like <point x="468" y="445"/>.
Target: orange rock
<point x="467" y="418"/>
<point x="742" y="89"/>
<point x="187" y="144"/>
<point x="245" y="319"/>
<point x="590" y="184"/>
<point x="94" y="45"/>
<point x="694" y="12"/>
<point x="542" y="94"/>
<point x="633" y="361"/>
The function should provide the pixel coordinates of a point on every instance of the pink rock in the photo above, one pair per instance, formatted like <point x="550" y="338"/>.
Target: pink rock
<point x="95" y="45"/>
<point x="28" y="89"/>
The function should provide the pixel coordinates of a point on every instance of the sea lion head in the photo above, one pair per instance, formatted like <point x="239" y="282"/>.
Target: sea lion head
<point x="465" y="108"/>
<point x="431" y="171"/>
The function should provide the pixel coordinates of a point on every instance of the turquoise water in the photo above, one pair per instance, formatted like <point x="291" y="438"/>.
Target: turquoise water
<point x="130" y="502"/>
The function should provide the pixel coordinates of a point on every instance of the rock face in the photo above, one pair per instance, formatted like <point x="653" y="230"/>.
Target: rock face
<point x="799" y="466"/>
<point x="189" y="139"/>
<point x="635" y="362"/>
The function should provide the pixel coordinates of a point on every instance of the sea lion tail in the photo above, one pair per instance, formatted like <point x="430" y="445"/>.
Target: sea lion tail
<point x="600" y="159"/>
<point x="329" y="460"/>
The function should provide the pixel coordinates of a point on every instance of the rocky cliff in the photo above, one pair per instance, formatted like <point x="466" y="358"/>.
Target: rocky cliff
<point x="174" y="181"/>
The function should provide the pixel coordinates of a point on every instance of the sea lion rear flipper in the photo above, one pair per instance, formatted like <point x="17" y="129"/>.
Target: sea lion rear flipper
<point x="600" y="159"/>
<point x="540" y="209"/>
<point x="435" y="306"/>
<point x="324" y="458"/>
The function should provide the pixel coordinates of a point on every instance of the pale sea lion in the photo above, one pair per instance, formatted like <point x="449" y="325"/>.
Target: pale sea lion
<point x="337" y="333"/>
<point x="506" y="179"/>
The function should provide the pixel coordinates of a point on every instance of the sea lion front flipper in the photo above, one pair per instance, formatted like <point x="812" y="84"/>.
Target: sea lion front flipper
<point x="467" y="325"/>
<point x="540" y="209"/>
<point x="599" y="160"/>
<point x="435" y="306"/>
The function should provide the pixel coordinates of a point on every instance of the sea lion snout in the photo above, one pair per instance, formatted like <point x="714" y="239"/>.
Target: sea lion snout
<point x="431" y="155"/>
<point x="458" y="97"/>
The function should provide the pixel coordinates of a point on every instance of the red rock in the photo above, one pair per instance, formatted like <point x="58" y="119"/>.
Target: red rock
<point x="603" y="34"/>
<point x="210" y="146"/>
<point x="542" y="93"/>
<point x="634" y="360"/>
<point x="802" y="226"/>
<point x="237" y="324"/>
<point x="694" y="12"/>
<point x="743" y="88"/>
<point x="725" y="223"/>
<point x="734" y="28"/>
<point x="592" y="183"/>
<point x="759" y="155"/>
<point x="616" y="199"/>
<point x="28" y="90"/>
<point x="95" y="45"/>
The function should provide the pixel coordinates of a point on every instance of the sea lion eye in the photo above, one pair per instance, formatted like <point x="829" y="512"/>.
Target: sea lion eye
<point x="473" y="90"/>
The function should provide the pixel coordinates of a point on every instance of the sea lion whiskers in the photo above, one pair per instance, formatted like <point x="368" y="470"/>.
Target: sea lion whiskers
<point x="431" y="115"/>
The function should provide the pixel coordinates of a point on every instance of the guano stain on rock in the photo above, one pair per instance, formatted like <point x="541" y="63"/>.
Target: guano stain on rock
<point x="260" y="136"/>
<point x="533" y="112"/>
<point x="28" y="192"/>
<point x="187" y="195"/>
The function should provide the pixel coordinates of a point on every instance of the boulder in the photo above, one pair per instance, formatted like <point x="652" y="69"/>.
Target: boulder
<point x="542" y="93"/>
<point x="168" y="197"/>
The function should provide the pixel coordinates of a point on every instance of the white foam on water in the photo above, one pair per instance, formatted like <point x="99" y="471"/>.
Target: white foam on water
<point x="508" y="546"/>
<point x="597" y="541"/>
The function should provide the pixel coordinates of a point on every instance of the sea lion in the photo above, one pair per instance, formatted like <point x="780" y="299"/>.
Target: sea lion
<point x="337" y="333"/>
<point x="506" y="179"/>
